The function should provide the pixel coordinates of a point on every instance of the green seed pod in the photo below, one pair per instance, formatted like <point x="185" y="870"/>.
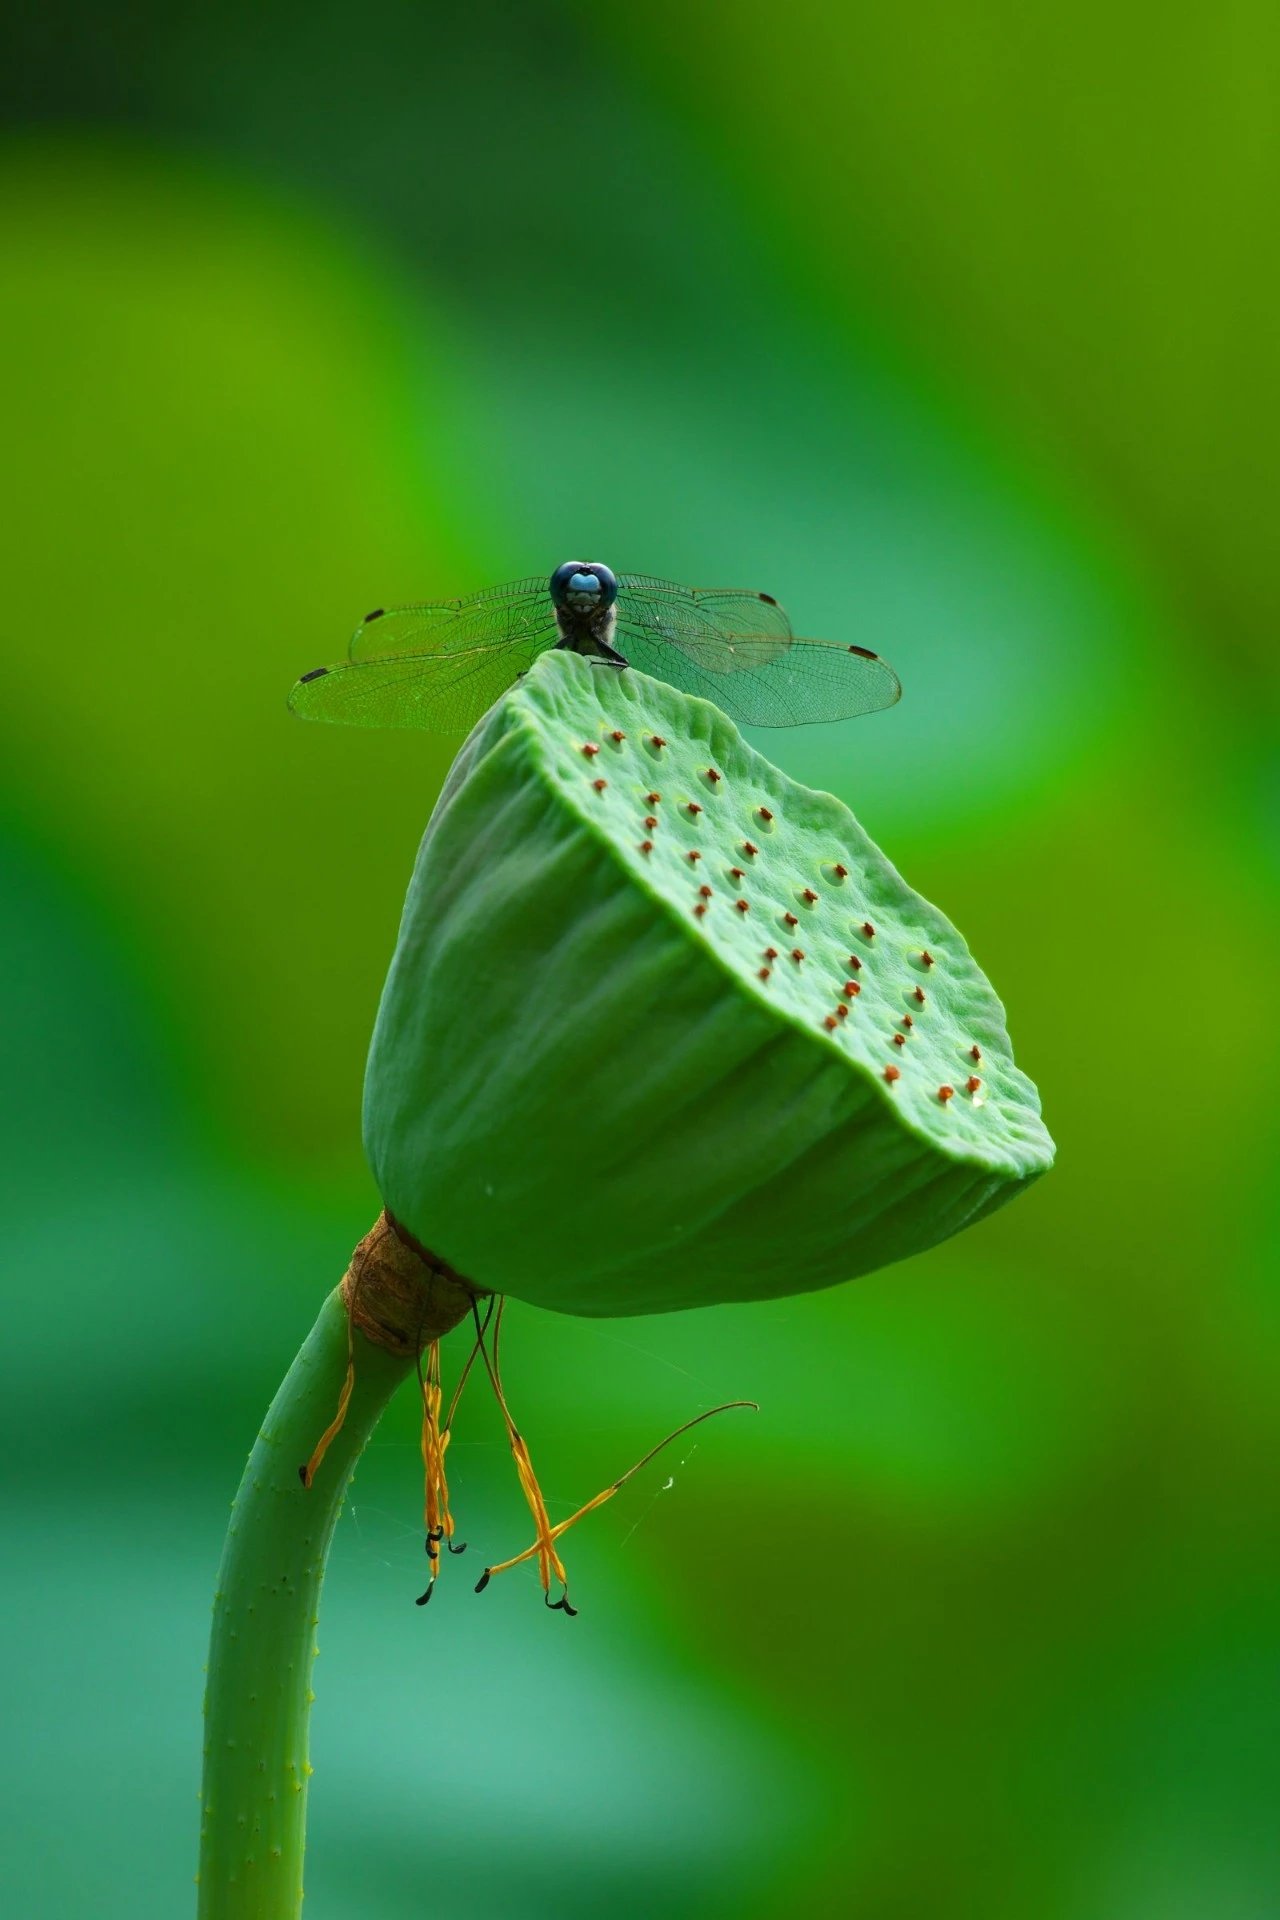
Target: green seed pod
<point x="664" y="1028"/>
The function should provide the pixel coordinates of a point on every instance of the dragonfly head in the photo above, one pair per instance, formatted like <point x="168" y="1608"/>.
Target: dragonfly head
<point x="583" y="587"/>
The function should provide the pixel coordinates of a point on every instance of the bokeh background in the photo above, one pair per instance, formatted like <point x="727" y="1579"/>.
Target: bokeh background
<point x="955" y="331"/>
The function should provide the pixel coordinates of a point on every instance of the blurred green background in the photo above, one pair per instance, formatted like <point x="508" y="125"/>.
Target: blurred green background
<point x="955" y="331"/>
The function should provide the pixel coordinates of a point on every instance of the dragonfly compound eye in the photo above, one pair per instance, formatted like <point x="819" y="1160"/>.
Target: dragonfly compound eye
<point x="642" y="1108"/>
<point x="583" y="586"/>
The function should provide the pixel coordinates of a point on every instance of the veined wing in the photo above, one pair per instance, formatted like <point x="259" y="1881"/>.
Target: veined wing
<point x="759" y="684"/>
<point x="520" y="609"/>
<point x="439" y="692"/>
<point x="704" y="620"/>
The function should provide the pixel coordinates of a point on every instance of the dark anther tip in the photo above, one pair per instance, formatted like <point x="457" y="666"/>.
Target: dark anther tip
<point x="433" y="1551"/>
<point x="435" y="1533"/>
<point x="316" y="673"/>
<point x="375" y="615"/>
<point x="483" y="1581"/>
<point x="460" y="1548"/>
<point x="560" y="1606"/>
<point x="423" y="1598"/>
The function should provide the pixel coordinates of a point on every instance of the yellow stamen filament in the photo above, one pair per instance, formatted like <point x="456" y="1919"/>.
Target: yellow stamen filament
<point x="549" y="1560"/>
<point x="562" y="1526"/>
<point x="437" y="1517"/>
<point x="308" y="1473"/>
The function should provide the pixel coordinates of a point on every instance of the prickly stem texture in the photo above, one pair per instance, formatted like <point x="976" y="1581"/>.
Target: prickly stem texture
<point x="258" y="1695"/>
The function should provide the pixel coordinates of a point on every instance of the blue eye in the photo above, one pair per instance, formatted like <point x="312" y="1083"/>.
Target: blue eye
<point x="583" y="586"/>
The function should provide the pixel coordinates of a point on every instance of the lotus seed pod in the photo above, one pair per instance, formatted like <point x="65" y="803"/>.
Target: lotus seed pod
<point x="664" y="1028"/>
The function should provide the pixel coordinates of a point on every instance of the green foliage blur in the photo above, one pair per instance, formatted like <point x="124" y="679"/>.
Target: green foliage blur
<point x="955" y="332"/>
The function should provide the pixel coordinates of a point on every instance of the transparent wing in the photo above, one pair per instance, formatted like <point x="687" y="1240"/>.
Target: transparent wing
<point x="757" y="682"/>
<point x="521" y="608"/>
<point x="439" y="692"/>
<point x="695" y="618"/>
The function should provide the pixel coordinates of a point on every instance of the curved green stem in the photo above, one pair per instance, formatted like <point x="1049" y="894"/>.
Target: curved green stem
<point x="258" y="1698"/>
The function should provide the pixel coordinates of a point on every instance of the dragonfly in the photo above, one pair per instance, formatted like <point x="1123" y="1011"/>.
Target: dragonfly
<point x="441" y="665"/>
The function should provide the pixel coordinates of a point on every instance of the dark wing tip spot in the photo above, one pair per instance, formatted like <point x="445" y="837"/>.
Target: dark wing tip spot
<point x="865" y="652"/>
<point x="316" y="673"/>
<point x="375" y="615"/>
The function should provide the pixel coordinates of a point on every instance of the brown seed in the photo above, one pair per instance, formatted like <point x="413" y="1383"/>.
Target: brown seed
<point x="765" y="972"/>
<point x="892" y="1073"/>
<point x="926" y="957"/>
<point x="617" y="734"/>
<point x="692" y="806"/>
<point x="651" y="819"/>
<point x="919" y="994"/>
<point x="743" y="906"/>
<point x="830" y="1023"/>
<point x="809" y="895"/>
<point x="851" y="987"/>
<point x="907" y="1021"/>
<point x="653" y="798"/>
<point x="869" y="930"/>
<point x="599" y="785"/>
<point x="646" y="846"/>
<point x="841" y="873"/>
<point x="713" y="775"/>
<point x="701" y="908"/>
<point x="657" y="740"/>
<point x="972" y="1083"/>
<point x="855" y="963"/>
<point x="771" y="953"/>
<point x="791" y="920"/>
<point x="899" y="1039"/>
<point x="737" y="873"/>
<point x="705" y="891"/>
<point x="945" y="1094"/>
<point x="694" y="854"/>
<point x="842" y="1012"/>
<point x="797" y="954"/>
<point x="764" y="813"/>
<point x="976" y="1052"/>
<point x="591" y="749"/>
<point x="748" y="846"/>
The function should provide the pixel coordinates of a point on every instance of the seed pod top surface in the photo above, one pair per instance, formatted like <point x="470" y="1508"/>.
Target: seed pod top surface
<point x="665" y="1027"/>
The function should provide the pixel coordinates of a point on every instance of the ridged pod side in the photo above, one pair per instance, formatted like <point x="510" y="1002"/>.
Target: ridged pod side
<point x="664" y="1028"/>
